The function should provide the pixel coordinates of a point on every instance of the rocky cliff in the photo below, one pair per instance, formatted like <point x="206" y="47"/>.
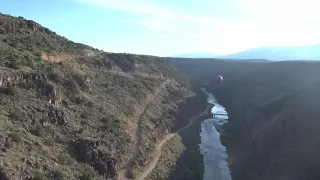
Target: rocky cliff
<point x="274" y="122"/>
<point x="273" y="106"/>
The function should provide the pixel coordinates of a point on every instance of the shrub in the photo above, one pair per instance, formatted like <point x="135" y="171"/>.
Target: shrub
<point x="38" y="130"/>
<point x="65" y="102"/>
<point x="13" y="65"/>
<point x="39" y="176"/>
<point x="16" y="137"/>
<point x="88" y="174"/>
<point x="45" y="152"/>
<point x="84" y="115"/>
<point x="78" y="99"/>
<point x="80" y="131"/>
<point x="107" y="119"/>
<point x="37" y="53"/>
<point x="64" y="158"/>
<point x="101" y="109"/>
<point x="37" y="165"/>
<point x="49" y="142"/>
<point x="2" y="31"/>
<point x="71" y="85"/>
<point x="83" y="122"/>
<point x="113" y="126"/>
<point x="8" y="144"/>
<point x="89" y="103"/>
<point x="80" y="80"/>
<point x="104" y="120"/>
<point x="16" y="115"/>
<point x="83" y="101"/>
<point x="13" y="44"/>
<point x="12" y="91"/>
<point x="54" y="76"/>
<point x="59" y="175"/>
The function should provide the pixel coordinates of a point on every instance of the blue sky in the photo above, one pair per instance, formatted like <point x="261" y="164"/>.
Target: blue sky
<point x="168" y="27"/>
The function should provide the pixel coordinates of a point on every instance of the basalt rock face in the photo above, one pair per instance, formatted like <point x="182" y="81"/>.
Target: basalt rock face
<point x="69" y="110"/>
<point x="273" y="128"/>
<point x="98" y="154"/>
<point x="37" y="81"/>
<point x="10" y="24"/>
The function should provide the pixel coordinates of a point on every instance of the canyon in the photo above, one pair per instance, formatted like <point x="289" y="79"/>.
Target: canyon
<point x="70" y="111"/>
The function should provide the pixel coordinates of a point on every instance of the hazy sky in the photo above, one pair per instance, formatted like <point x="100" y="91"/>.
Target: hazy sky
<point x="168" y="27"/>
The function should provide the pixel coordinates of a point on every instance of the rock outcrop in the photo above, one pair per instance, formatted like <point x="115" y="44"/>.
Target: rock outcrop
<point x="98" y="154"/>
<point x="39" y="81"/>
<point x="11" y="23"/>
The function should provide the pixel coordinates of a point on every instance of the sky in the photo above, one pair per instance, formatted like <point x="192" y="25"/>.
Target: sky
<point x="169" y="27"/>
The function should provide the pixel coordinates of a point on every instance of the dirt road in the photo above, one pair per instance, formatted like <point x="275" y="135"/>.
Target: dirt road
<point x="140" y="112"/>
<point x="153" y="162"/>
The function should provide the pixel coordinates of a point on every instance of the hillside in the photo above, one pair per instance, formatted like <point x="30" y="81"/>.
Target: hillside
<point x="273" y="130"/>
<point x="69" y="111"/>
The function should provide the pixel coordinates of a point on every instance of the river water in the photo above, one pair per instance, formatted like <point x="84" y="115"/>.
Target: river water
<point x="214" y="153"/>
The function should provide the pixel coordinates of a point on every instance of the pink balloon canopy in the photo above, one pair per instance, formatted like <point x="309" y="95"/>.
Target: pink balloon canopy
<point x="219" y="78"/>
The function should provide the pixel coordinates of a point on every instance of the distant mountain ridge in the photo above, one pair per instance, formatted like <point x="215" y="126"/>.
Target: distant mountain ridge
<point x="309" y="52"/>
<point x="197" y="55"/>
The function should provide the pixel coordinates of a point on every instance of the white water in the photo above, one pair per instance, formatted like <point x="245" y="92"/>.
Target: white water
<point x="214" y="153"/>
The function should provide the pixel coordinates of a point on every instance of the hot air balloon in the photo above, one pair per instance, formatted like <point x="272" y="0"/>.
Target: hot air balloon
<point x="219" y="79"/>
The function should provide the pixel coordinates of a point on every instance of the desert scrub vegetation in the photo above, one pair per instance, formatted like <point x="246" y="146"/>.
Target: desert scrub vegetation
<point x="17" y="34"/>
<point x="15" y="137"/>
<point x="64" y="158"/>
<point x="38" y="130"/>
<point x="100" y="95"/>
<point x="39" y="176"/>
<point x="8" y="144"/>
<point x="80" y="80"/>
<point x="115" y="125"/>
<point x="49" y="142"/>
<point x="16" y="115"/>
<point x="53" y="74"/>
<point x="84" y="115"/>
<point x="82" y="100"/>
<point x="88" y="173"/>
<point x="108" y="118"/>
<point x="59" y="174"/>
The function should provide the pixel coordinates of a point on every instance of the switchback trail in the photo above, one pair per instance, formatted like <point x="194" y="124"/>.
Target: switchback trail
<point x="123" y="172"/>
<point x="153" y="162"/>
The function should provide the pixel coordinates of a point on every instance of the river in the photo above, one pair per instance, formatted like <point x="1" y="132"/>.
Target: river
<point x="214" y="153"/>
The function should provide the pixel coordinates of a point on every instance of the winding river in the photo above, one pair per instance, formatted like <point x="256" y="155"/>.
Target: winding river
<point x="214" y="153"/>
